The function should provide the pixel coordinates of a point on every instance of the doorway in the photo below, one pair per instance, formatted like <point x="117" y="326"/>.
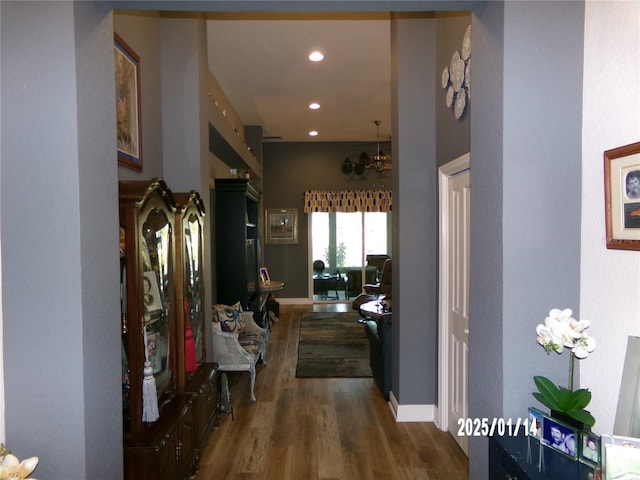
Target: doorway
<point x="453" y="380"/>
<point x="340" y="245"/>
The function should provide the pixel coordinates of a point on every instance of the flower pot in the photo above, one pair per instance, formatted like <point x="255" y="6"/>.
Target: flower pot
<point x="566" y="419"/>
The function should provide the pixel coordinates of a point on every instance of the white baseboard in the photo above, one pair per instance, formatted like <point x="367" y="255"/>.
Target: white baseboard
<point x="411" y="413"/>
<point x="294" y="301"/>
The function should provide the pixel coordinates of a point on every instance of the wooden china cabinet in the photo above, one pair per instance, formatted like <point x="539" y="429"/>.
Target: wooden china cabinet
<point x="163" y="324"/>
<point x="195" y="375"/>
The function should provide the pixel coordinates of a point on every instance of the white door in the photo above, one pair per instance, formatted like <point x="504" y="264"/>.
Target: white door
<point x="454" y="297"/>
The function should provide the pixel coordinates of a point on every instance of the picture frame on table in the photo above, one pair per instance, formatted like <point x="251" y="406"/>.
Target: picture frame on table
<point x="622" y="197"/>
<point x="535" y="423"/>
<point x="281" y="226"/>
<point x="264" y="276"/>
<point x="590" y="448"/>
<point x="620" y="457"/>
<point x="128" y="112"/>
<point x="560" y="436"/>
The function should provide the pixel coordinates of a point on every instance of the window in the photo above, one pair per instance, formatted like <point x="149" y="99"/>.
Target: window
<point x="343" y="241"/>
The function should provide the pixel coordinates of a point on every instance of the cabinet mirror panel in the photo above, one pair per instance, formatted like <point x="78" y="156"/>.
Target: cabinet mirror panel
<point x="156" y="291"/>
<point x="126" y="385"/>
<point x="193" y="292"/>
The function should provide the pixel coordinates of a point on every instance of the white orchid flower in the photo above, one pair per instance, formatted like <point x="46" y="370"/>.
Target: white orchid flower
<point x="563" y="325"/>
<point x="13" y="469"/>
<point x="584" y="346"/>
<point x="561" y="330"/>
<point x="549" y="339"/>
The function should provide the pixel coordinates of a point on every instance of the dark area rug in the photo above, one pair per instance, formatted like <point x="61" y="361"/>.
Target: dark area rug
<point x="332" y="344"/>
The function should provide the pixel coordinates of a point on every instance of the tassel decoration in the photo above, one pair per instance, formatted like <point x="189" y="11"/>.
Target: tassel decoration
<point x="149" y="394"/>
<point x="190" y="363"/>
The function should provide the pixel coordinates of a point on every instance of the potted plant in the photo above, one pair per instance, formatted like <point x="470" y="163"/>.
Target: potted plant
<point x="559" y="331"/>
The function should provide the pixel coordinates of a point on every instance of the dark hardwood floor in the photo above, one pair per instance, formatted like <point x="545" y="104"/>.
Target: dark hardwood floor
<point x="330" y="429"/>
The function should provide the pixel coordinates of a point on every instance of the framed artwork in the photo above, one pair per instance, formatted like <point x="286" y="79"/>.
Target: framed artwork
<point x="560" y="436"/>
<point x="622" y="197"/>
<point x="264" y="275"/>
<point x="128" y="115"/>
<point x="281" y="225"/>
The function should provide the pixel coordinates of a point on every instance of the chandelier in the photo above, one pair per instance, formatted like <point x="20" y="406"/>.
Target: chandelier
<point x="380" y="162"/>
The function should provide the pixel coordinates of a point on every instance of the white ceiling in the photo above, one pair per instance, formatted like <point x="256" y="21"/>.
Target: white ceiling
<point x="260" y="61"/>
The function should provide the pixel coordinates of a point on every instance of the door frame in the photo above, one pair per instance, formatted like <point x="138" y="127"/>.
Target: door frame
<point x="445" y="172"/>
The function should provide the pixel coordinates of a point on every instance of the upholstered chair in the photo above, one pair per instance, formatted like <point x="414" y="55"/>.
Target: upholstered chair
<point x="238" y="342"/>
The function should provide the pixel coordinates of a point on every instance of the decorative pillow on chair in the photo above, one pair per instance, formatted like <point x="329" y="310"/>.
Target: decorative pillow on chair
<point x="230" y="317"/>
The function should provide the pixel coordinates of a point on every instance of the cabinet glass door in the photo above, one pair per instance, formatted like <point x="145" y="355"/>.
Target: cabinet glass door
<point x="156" y="291"/>
<point x="194" y="336"/>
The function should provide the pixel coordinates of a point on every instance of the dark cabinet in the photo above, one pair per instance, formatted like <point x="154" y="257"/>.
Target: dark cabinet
<point x="237" y="224"/>
<point x="521" y="457"/>
<point x="206" y="406"/>
<point x="167" y="453"/>
<point x="163" y="329"/>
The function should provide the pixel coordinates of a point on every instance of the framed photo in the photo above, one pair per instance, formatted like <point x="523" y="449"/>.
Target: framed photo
<point x="281" y="225"/>
<point x="622" y="197"/>
<point x="264" y="275"/>
<point x="589" y="448"/>
<point x="535" y="423"/>
<point x="151" y="293"/>
<point x="128" y="115"/>
<point x="620" y="457"/>
<point x="560" y="436"/>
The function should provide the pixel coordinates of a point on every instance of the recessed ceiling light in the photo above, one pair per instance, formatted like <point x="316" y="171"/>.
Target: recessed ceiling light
<point x="314" y="106"/>
<point x="316" y="56"/>
<point x="313" y="133"/>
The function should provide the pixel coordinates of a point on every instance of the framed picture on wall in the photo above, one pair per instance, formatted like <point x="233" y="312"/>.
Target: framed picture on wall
<point x="281" y="225"/>
<point x="128" y="115"/>
<point x="622" y="197"/>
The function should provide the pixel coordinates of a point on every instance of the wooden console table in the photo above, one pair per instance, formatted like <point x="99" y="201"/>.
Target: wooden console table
<point x="524" y="458"/>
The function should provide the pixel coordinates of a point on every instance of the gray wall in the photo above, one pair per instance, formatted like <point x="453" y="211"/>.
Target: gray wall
<point x="59" y="217"/>
<point x="525" y="201"/>
<point x="58" y="213"/>
<point x="289" y="170"/>
<point x="415" y="224"/>
<point x="452" y="135"/>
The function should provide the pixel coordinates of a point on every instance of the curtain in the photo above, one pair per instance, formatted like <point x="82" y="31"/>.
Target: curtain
<point x="347" y="201"/>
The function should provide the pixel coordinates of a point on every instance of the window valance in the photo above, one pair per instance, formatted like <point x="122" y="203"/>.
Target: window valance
<point x="347" y="201"/>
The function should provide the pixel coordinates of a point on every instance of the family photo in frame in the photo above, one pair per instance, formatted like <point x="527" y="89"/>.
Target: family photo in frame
<point x="622" y="197"/>
<point x="560" y="436"/>
<point x="579" y="445"/>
